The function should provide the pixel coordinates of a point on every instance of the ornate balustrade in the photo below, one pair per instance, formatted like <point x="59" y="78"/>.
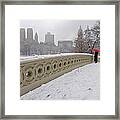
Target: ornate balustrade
<point x="39" y="70"/>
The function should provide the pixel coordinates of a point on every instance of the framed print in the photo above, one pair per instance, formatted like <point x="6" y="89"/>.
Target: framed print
<point x="60" y="59"/>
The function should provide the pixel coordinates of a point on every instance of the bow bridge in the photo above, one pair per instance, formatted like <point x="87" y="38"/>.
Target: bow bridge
<point x="38" y="70"/>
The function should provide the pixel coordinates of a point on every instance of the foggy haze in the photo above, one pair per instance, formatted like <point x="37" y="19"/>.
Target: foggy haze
<point x="62" y="29"/>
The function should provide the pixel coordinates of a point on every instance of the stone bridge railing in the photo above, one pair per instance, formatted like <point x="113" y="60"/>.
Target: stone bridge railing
<point x="38" y="70"/>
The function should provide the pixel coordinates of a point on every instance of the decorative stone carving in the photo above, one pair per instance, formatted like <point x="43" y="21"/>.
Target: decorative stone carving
<point x="39" y="70"/>
<point x="36" y="72"/>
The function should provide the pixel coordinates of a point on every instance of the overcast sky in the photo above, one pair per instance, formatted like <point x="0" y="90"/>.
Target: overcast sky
<point x="62" y="29"/>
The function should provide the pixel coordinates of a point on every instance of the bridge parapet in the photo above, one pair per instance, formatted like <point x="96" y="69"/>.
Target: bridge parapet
<point x="39" y="70"/>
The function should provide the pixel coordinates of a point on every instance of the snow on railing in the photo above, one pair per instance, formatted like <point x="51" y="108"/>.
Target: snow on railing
<point x="38" y="70"/>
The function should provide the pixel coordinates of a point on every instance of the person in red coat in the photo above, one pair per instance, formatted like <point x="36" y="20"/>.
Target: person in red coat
<point x="95" y="54"/>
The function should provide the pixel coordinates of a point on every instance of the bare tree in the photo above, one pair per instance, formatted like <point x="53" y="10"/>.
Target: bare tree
<point x="96" y="33"/>
<point x="92" y="36"/>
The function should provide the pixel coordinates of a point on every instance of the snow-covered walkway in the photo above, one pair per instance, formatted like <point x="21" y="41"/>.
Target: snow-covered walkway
<point x="82" y="84"/>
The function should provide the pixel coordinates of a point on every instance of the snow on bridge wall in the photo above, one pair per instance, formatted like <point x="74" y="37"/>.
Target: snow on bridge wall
<point x="37" y="71"/>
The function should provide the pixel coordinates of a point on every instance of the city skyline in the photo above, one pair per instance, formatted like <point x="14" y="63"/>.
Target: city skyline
<point x="30" y="46"/>
<point x="63" y="30"/>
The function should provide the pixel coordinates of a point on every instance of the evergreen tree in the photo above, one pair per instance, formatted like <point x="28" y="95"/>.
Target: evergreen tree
<point x="88" y="39"/>
<point x="80" y="42"/>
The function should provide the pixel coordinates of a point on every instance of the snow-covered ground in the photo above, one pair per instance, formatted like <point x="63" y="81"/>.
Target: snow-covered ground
<point x="82" y="84"/>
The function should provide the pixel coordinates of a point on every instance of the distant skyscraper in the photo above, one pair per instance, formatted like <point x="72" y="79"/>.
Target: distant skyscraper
<point x="30" y="46"/>
<point x="80" y="33"/>
<point x="30" y="33"/>
<point x="36" y="37"/>
<point x="49" y="38"/>
<point x="22" y="33"/>
<point x="65" y="46"/>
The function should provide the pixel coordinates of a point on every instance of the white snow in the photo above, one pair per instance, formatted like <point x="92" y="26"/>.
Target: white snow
<point x="24" y="58"/>
<point x="82" y="84"/>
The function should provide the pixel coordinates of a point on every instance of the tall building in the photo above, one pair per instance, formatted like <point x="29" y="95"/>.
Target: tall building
<point x="30" y="46"/>
<point x="36" y="37"/>
<point x="80" y="33"/>
<point x="30" y="33"/>
<point x="22" y="34"/>
<point x="49" y="38"/>
<point x="65" y="46"/>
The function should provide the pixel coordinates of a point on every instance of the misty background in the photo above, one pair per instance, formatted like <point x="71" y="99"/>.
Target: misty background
<point x="62" y="29"/>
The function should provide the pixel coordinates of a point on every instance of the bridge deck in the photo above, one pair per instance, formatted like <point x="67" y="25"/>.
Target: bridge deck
<point x="81" y="83"/>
